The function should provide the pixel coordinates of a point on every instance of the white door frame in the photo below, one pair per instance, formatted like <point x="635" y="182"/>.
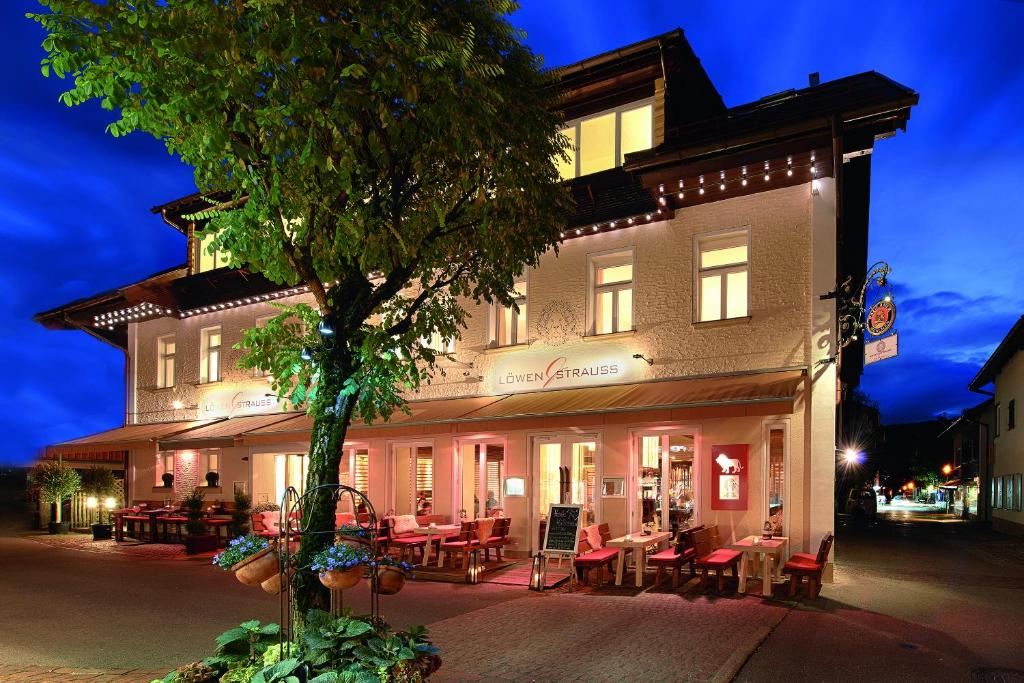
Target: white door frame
<point x="457" y="462"/>
<point x="563" y="437"/>
<point x="787" y="510"/>
<point x="391" y="464"/>
<point x="633" y="479"/>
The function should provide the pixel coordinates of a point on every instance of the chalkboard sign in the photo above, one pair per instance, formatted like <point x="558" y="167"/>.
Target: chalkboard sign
<point x="563" y="528"/>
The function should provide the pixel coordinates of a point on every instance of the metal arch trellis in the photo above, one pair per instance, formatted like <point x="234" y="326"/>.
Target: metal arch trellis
<point x="291" y="530"/>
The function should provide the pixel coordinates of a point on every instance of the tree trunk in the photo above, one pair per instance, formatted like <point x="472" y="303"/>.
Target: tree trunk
<point x="330" y="423"/>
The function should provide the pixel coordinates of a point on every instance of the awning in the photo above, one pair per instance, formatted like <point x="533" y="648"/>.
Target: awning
<point x="122" y="438"/>
<point x="769" y="393"/>
<point x="223" y="433"/>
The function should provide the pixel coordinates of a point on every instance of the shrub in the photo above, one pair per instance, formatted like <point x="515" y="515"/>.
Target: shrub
<point x="193" y="503"/>
<point x="265" y="507"/>
<point x="240" y="516"/>
<point x="55" y="481"/>
<point x="238" y="549"/>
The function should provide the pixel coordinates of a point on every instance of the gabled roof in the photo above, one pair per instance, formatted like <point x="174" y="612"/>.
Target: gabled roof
<point x="1007" y="349"/>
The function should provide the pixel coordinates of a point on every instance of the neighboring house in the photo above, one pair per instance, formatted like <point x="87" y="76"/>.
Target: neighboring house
<point x="970" y="461"/>
<point x="1005" y="369"/>
<point x="703" y="238"/>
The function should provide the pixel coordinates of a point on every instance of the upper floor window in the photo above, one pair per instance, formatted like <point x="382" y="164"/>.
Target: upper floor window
<point x="207" y="259"/>
<point x="435" y="343"/>
<point x="1011" y="414"/>
<point x="602" y="141"/>
<point x="509" y="323"/>
<point x="262" y="322"/>
<point x="165" y="361"/>
<point x="611" y="301"/>
<point x="209" y="354"/>
<point x="722" y="266"/>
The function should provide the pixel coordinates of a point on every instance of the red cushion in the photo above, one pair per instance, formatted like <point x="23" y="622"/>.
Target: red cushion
<point x="459" y="544"/>
<point x="809" y="557"/>
<point x="408" y="540"/>
<point x="598" y="556"/>
<point x="720" y="558"/>
<point x="669" y="556"/>
<point x="802" y="564"/>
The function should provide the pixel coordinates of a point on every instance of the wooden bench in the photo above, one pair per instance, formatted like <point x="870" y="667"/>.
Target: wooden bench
<point x="711" y="556"/>
<point x="498" y="538"/>
<point x="463" y="545"/>
<point x="802" y="565"/>
<point x="589" y="558"/>
<point x="684" y="551"/>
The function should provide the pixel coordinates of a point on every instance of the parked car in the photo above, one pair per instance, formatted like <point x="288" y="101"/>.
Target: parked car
<point x="862" y="502"/>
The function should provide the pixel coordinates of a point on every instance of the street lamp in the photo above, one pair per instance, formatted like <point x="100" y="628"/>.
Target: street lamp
<point x="91" y="503"/>
<point x="947" y="469"/>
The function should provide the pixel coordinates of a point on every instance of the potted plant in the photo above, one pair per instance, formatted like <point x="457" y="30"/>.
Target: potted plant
<point x="252" y="558"/>
<point x="391" y="574"/>
<point x="168" y="479"/>
<point x="56" y="481"/>
<point x="240" y="515"/>
<point x="199" y="539"/>
<point x="212" y="478"/>
<point x="353" y="534"/>
<point x="101" y="486"/>
<point x="340" y="566"/>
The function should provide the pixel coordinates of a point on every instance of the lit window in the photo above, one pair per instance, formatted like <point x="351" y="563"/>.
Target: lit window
<point x="165" y="361"/>
<point x="209" y="461"/>
<point x="164" y="465"/>
<point x="207" y="258"/>
<point x="722" y="276"/>
<point x="209" y="355"/>
<point x="262" y="322"/>
<point x="509" y="323"/>
<point x="602" y="141"/>
<point x="612" y="299"/>
<point x="437" y="344"/>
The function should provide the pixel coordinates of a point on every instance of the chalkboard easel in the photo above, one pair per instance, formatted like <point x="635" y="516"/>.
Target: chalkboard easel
<point x="561" y="537"/>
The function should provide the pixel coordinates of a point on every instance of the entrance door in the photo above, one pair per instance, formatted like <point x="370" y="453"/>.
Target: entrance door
<point x="413" y="479"/>
<point x="666" y="482"/>
<point x="565" y="468"/>
<point x="479" y="479"/>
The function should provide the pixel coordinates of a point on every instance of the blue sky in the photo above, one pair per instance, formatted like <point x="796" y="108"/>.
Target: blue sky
<point x="945" y="205"/>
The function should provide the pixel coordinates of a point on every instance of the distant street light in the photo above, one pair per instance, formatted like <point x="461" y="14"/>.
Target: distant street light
<point x="851" y="457"/>
<point x="947" y="469"/>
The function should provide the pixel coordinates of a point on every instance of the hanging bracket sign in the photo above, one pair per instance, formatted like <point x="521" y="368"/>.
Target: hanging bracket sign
<point x="881" y="349"/>
<point x="881" y="317"/>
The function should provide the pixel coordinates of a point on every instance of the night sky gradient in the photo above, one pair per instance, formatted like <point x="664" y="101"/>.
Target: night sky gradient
<point x="945" y="205"/>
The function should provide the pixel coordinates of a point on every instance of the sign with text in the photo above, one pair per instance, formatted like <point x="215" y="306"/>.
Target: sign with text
<point x="881" y="349"/>
<point x="563" y="530"/>
<point x="576" y="366"/>
<point x="729" y="476"/>
<point x="234" y="403"/>
<point x="880" y="317"/>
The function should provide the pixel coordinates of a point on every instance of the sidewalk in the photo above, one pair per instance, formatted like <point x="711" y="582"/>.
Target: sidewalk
<point x="49" y="674"/>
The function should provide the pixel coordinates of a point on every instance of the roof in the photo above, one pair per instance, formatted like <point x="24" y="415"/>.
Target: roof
<point x="1007" y="349"/>
<point x="751" y="393"/>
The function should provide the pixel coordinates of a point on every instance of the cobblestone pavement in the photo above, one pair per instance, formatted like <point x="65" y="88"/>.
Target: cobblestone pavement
<point x="47" y="674"/>
<point x="133" y="549"/>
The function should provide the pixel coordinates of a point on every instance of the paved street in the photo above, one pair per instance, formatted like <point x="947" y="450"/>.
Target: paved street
<point x="925" y="600"/>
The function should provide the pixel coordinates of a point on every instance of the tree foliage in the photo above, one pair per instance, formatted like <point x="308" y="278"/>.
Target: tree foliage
<point x="396" y="157"/>
<point x="55" y="481"/>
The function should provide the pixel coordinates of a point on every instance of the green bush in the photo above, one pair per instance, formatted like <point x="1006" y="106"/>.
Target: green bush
<point x="55" y="481"/>
<point x="240" y="515"/>
<point x="193" y="503"/>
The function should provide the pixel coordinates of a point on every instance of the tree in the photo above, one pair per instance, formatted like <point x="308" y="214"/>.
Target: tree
<point x="101" y="483"/>
<point x="55" y="481"/>
<point x="396" y="157"/>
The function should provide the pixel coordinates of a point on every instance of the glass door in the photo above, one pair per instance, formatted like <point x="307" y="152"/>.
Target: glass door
<point x="480" y="479"/>
<point x="666" y="483"/>
<point x="413" y="480"/>
<point x="566" y="472"/>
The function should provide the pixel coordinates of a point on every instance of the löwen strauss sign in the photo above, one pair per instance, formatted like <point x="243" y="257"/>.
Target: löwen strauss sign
<point x="234" y="403"/>
<point x="562" y="369"/>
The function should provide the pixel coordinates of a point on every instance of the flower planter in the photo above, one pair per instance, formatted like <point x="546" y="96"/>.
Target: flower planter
<point x="340" y="579"/>
<point x="276" y="583"/>
<point x="390" y="580"/>
<point x="255" y="569"/>
<point x="102" y="532"/>
<point x="59" y="527"/>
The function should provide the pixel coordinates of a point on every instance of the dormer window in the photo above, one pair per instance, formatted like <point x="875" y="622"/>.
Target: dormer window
<point x="207" y="259"/>
<point x="602" y="140"/>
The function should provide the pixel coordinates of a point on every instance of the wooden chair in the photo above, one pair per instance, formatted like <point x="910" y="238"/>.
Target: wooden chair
<point x="406" y="543"/>
<point x="711" y="556"/>
<point x="497" y="539"/>
<point x="811" y="566"/>
<point x="465" y="543"/>
<point x="682" y="552"/>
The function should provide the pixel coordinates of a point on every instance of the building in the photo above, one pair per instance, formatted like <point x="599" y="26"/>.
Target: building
<point x="1005" y="370"/>
<point x="674" y="363"/>
<point x="970" y="461"/>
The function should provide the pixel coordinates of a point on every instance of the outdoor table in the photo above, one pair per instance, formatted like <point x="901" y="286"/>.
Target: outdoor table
<point x="769" y="550"/>
<point x="441" y="531"/>
<point x="638" y="543"/>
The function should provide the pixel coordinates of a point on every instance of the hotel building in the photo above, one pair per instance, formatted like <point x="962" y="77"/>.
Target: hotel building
<point x="675" y="363"/>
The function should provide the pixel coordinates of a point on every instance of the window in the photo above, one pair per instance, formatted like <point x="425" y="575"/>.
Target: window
<point x="164" y="465"/>
<point x="165" y="361"/>
<point x="209" y="461"/>
<point x="414" y="480"/>
<point x="209" y="355"/>
<point x="1011" y="414"/>
<point x="611" y="303"/>
<point x="437" y="344"/>
<point x="602" y="141"/>
<point x="510" y="324"/>
<point x="777" y="479"/>
<point x="262" y="322"/>
<point x="207" y="259"/>
<point x="289" y="470"/>
<point x="721" y="276"/>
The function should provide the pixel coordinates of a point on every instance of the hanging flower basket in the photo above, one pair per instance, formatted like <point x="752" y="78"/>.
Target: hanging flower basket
<point x="354" y="536"/>
<point x="390" y="579"/>
<point x="276" y="583"/>
<point x="255" y="569"/>
<point x="341" y="566"/>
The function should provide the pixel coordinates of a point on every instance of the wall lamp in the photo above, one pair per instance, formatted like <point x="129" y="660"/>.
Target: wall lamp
<point x="640" y="356"/>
